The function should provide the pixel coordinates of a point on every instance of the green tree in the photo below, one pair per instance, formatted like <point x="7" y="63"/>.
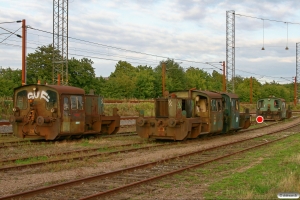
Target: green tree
<point x="243" y="90"/>
<point x="82" y="74"/>
<point x="145" y="83"/>
<point x="121" y="83"/>
<point x="197" y="78"/>
<point x="9" y="79"/>
<point x="40" y="64"/>
<point x="175" y="77"/>
<point x="215" y="81"/>
<point x="274" y="89"/>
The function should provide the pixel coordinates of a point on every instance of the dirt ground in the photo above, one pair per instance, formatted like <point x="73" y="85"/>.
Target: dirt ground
<point x="17" y="181"/>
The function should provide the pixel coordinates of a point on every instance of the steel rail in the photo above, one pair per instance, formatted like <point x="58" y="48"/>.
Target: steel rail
<point x="101" y="176"/>
<point x="76" y="157"/>
<point x="96" y="149"/>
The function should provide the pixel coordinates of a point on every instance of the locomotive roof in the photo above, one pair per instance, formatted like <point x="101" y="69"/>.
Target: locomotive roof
<point x="281" y="99"/>
<point x="210" y="94"/>
<point x="207" y="93"/>
<point x="231" y="95"/>
<point x="61" y="89"/>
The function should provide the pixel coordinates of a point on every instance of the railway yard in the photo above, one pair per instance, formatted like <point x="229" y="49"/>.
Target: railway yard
<point x="143" y="103"/>
<point x="129" y="167"/>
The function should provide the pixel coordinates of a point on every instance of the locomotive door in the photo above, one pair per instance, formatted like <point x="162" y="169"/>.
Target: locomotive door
<point x="283" y="110"/>
<point x="77" y="112"/>
<point x="216" y="116"/>
<point x="235" y="114"/>
<point x="66" y="116"/>
<point x="73" y="114"/>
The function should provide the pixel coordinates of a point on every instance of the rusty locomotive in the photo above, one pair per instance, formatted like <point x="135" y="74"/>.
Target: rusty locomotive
<point x="273" y="108"/>
<point x="187" y="114"/>
<point x="55" y="111"/>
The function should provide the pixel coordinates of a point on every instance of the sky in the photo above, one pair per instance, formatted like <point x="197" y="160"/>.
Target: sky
<point x="145" y="32"/>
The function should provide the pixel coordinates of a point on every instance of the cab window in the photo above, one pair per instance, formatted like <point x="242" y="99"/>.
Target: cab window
<point x="260" y="104"/>
<point x="76" y="103"/>
<point x="52" y="103"/>
<point x="21" y="100"/>
<point x="276" y="103"/>
<point x="214" y="105"/>
<point x="219" y="103"/>
<point x="237" y="105"/>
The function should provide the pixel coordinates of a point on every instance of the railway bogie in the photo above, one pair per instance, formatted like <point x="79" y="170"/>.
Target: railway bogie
<point x="53" y="111"/>
<point x="273" y="108"/>
<point x="190" y="113"/>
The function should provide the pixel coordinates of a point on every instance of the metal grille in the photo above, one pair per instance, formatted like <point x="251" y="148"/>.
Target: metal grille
<point x="298" y="69"/>
<point x="60" y="41"/>
<point x="230" y="50"/>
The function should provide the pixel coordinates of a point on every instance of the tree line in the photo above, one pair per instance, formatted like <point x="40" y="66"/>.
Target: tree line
<point x="140" y="82"/>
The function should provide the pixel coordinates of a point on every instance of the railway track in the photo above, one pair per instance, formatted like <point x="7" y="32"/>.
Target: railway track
<point x="43" y="142"/>
<point x="10" y="164"/>
<point x="110" y="183"/>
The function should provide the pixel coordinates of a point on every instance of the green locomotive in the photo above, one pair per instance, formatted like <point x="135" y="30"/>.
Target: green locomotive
<point x="273" y="108"/>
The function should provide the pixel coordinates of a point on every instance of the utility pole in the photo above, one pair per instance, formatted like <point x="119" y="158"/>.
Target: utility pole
<point x="295" y="91"/>
<point x="60" y="41"/>
<point x="224" y="77"/>
<point x="23" y="52"/>
<point x="251" y="90"/>
<point x="163" y="68"/>
<point x="230" y="50"/>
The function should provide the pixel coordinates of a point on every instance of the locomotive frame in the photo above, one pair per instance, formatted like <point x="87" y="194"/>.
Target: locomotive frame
<point x="54" y="111"/>
<point x="190" y="113"/>
<point x="273" y="108"/>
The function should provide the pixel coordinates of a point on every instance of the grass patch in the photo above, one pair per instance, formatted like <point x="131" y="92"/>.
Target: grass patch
<point x="130" y="109"/>
<point x="85" y="143"/>
<point x="279" y="171"/>
<point x="31" y="160"/>
<point x="106" y="149"/>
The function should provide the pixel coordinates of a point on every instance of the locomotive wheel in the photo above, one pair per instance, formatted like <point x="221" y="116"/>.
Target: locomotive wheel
<point x="12" y="119"/>
<point x="140" y="121"/>
<point x="171" y="122"/>
<point x="40" y="120"/>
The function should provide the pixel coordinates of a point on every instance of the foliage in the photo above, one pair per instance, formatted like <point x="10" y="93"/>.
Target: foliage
<point x="9" y="79"/>
<point x="40" y="64"/>
<point x="128" y="81"/>
<point x="82" y="74"/>
<point x="265" y="173"/>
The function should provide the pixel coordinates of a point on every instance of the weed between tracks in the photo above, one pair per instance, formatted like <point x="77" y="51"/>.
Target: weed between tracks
<point x="259" y="174"/>
<point x="278" y="171"/>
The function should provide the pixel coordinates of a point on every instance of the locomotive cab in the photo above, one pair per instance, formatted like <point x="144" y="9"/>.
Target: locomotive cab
<point x="182" y="115"/>
<point x="273" y="108"/>
<point x="233" y="118"/>
<point x="53" y="111"/>
<point x="36" y="111"/>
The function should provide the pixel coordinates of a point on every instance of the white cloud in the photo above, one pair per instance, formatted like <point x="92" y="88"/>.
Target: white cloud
<point x="181" y="29"/>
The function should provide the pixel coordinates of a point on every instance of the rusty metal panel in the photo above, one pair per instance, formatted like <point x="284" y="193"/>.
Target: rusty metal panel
<point x="189" y="106"/>
<point x="88" y="105"/>
<point x="77" y="112"/>
<point x="100" y="106"/>
<point x="65" y="115"/>
<point x="161" y="107"/>
<point x="174" y="106"/>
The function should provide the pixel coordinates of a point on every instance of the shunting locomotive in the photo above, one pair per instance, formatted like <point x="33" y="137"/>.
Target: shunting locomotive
<point x="54" y="111"/>
<point x="189" y="113"/>
<point x="273" y="108"/>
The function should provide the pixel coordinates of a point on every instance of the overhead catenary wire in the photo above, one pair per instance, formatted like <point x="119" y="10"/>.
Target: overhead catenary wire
<point x="127" y="50"/>
<point x="267" y="19"/>
<point x="11" y="33"/>
<point x="122" y="49"/>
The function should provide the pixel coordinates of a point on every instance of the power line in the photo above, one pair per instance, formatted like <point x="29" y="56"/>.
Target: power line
<point x="11" y="33"/>
<point x="122" y="49"/>
<point x="267" y="19"/>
